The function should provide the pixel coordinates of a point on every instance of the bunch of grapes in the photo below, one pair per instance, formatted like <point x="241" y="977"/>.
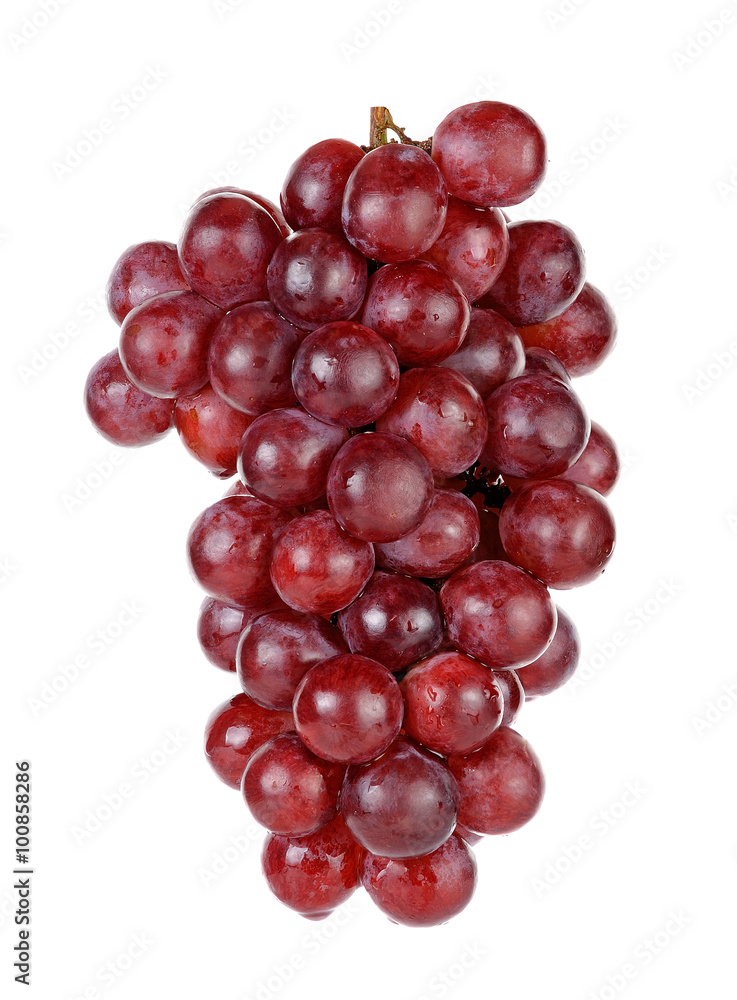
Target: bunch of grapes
<point x="386" y="361"/>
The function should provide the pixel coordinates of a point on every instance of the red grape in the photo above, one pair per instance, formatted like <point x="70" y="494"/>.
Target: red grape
<point x="557" y="664"/>
<point x="235" y="730"/>
<point x="540" y="361"/>
<point x="219" y="628"/>
<point x="141" y="272"/>
<point x="491" y="352"/>
<point x="312" y="194"/>
<point x="211" y="430"/>
<point x="122" y="412"/>
<point x="598" y="464"/>
<point x="512" y="691"/>
<point x="274" y="211"/>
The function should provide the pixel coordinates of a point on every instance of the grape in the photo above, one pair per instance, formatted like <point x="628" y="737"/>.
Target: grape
<point x="402" y="805"/>
<point x="289" y="790"/>
<point x="513" y="691"/>
<point x="582" y="336"/>
<point x="211" y="430"/>
<point x="490" y="153"/>
<point x="490" y="544"/>
<point x="452" y="703"/>
<point x="422" y="892"/>
<point x="540" y="361"/>
<point x="441" y="414"/>
<point x="537" y="427"/>
<point x="345" y="374"/>
<point x="395" y="621"/>
<point x="557" y="664"/>
<point x="394" y="204"/>
<point x="225" y="248"/>
<point x="164" y="343"/>
<point x="269" y="206"/>
<point x="285" y="456"/>
<point x="466" y="835"/>
<point x="441" y="543"/>
<point x="379" y="487"/>
<point x="120" y="411"/>
<point x="491" y="352"/>
<point x="312" y="194"/>
<point x="318" y="568"/>
<point x="544" y="273"/>
<point x="229" y="551"/>
<point x="419" y="309"/>
<point x="235" y="730"/>
<point x="141" y="272"/>
<point x="277" y="650"/>
<point x="498" y="613"/>
<point x="316" y="277"/>
<point x="559" y="531"/>
<point x="219" y="628"/>
<point x="501" y="785"/>
<point x="598" y="464"/>
<point x="250" y="358"/>
<point x="348" y="709"/>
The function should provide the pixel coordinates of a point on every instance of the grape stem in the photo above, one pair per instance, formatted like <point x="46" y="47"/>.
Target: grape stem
<point x="381" y="123"/>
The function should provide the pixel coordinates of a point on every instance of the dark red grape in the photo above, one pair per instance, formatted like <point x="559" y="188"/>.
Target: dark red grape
<point x="422" y="892"/>
<point x="419" y="309"/>
<point x="289" y="790"/>
<point x="490" y="544"/>
<point x="402" y="805"/>
<point x="395" y="621"/>
<point x="345" y="374"/>
<point x="277" y="650"/>
<point x="582" y="336"/>
<point x="274" y="211"/>
<point x="141" y="272"/>
<point x="598" y="465"/>
<point x="164" y="343"/>
<point x="122" y="412"/>
<point x="211" y="430"/>
<point x="557" y="664"/>
<point x="219" y="628"/>
<point x="512" y="691"/>
<point x="441" y="414"/>
<point x="316" y="567"/>
<point x="559" y="531"/>
<point x="285" y="456"/>
<point x="452" y="703"/>
<point x="316" y="277"/>
<point x="312" y="194"/>
<point x="498" y="613"/>
<point x="491" y="352"/>
<point x="501" y="785"/>
<point x="225" y="249"/>
<point x="539" y="361"/>
<point x="490" y="153"/>
<point x="394" y="204"/>
<point x="235" y="730"/>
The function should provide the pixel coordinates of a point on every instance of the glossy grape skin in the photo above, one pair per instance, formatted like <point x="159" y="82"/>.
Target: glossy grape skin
<point x="394" y="204"/>
<point x="540" y="361"/>
<point x="582" y="336"/>
<point x="164" y="343"/>
<point x="219" y="627"/>
<point x="250" y="358"/>
<point x="211" y="430"/>
<point x="419" y="309"/>
<point x="276" y="651"/>
<point x="141" y="272"/>
<point x="312" y="874"/>
<point x="379" y="487"/>
<point x="537" y="427"/>
<point x="345" y="374"/>
<point x="491" y="352"/>
<point x="229" y="549"/>
<point x="289" y="790"/>
<point x="513" y="691"/>
<point x="490" y="153"/>
<point x="561" y="532"/>
<point x="318" y="568"/>
<point x="466" y="835"/>
<point x="285" y="456"/>
<point x="441" y="414"/>
<point x="396" y="621"/>
<point x="348" y="709"/>
<point x="452" y="703"/>
<point x="402" y="805"/>
<point x="443" y="541"/>
<point x="422" y="892"/>
<point x="225" y="249"/>
<point x="317" y="277"/>
<point x="598" y="464"/>
<point x="502" y="785"/>
<point x="274" y="211"/>
<point x="498" y="613"/>
<point x="235" y="730"/>
<point x="557" y="664"/>
<point x="120" y="411"/>
<point x="312" y="194"/>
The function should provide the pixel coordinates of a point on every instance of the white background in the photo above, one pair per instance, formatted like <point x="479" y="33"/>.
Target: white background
<point x="640" y="122"/>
